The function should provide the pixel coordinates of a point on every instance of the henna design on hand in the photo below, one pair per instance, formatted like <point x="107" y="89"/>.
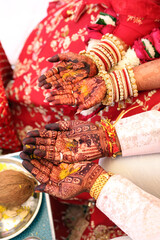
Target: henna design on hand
<point x="70" y="69"/>
<point x="85" y="93"/>
<point x="80" y="177"/>
<point x="70" y="141"/>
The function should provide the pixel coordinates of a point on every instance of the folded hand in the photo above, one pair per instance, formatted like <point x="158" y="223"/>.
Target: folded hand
<point x="66" y="141"/>
<point x="64" y="181"/>
<point x="70" y="69"/>
<point x="85" y="93"/>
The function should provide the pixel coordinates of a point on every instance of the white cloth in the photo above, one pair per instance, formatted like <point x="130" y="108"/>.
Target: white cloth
<point x="139" y="134"/>
<point x="122" y="238"/>
<point x="136" y="212"/>
<point x="17" y="20"/>
<point x="143" y="170"/>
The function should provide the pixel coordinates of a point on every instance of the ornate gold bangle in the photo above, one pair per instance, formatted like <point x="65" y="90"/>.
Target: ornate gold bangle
<point x="119" y="48"/>
<point x="108" y="100"/>
<point x="100" y="65"/>
<point x="99" y="184"/>
<point x="132" y="81"/>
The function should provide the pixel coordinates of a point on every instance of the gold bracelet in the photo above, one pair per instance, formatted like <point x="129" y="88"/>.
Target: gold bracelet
<point x="100" y="65"/>
<point x="108" y="100"/>
<point x="132" y="81"/>
<point x="99" y="184"/>
<point x="119" y="48"/>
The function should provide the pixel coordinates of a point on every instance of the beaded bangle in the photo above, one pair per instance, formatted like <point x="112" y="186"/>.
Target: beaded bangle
<point x="99" y="184"/>
<point x="120" y="84"/>
<point x="108" y="52"/>
<point x="128" y="83"/>
<point x="132" y="81"/>
<point x="110" y="49"/>
<point x="124" y="84"/>
<point x="110" y="133"/>
<point x="108" y="100"/>
<point x="118" y="47"/>
<point x="103" y="57"/>
<point x="116" y="87"/>
<point x="99" y="63"/>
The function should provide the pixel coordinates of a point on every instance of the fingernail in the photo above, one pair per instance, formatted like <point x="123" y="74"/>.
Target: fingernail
<point x="47" y="95"/>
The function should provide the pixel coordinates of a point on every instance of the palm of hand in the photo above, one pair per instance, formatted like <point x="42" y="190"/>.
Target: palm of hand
<point x="70" y="69"/>
<point x="73" y="142"/>
<point x="85" y="93"/>
<point x="65" y="180"/>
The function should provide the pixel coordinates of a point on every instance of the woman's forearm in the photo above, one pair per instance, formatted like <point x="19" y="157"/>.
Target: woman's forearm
<point x="147" y="75"/>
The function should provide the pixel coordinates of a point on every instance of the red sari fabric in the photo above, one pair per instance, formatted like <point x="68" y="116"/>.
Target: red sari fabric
<point x="59" y="32"/>
<point x="8" y="139"/>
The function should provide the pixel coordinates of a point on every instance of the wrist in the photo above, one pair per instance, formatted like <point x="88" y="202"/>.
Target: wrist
<point x="113" y="145"/>
<point x="120" y="85"/>
<point x="99" y="184"/>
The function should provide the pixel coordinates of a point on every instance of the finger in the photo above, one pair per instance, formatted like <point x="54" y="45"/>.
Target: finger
<point x="47" y="85"/>
<point x="45" y="154"/>
<point x="42" y="133"/>
<point x="59" y="126"/>
<point x="29" y="148"/>
<point x="60" y="57"/>
<point x="33" y="133"/>
<point x="41" y="177"/>
<point x="58" y="92"/>
<point x="45" y="141"/>
<point x="42" y="83"/>
<point x="48" y="74"/>
<point x="26" y="157"/>
<point x="52" y="190"/>
<point x="67" y="99"/>
<point x="39" y="141"/>
<point x="41" y="167"/>
<point x="53" y="78"/>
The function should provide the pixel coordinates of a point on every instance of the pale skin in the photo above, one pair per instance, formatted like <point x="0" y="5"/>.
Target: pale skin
<point x="148" y="75"/>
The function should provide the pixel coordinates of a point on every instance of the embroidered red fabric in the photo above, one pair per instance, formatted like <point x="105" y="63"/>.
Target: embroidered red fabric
<point x="8" y="139"/>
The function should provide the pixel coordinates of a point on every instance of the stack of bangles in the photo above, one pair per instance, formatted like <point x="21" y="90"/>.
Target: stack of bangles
<point x="120" y="84"/>
<point x="107" y="53"/>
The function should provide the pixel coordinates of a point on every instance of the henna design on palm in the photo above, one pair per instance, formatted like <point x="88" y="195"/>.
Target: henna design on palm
<point x="74" y="140"/>
<point x="85" y="93"/>
<point x="79" y="178"/>
<point x="70" y="68"/>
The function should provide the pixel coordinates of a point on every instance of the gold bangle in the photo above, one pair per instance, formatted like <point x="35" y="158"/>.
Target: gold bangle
<point x="100" y="65"/>
<point x="99" y="184"/>
<point x="107" y="54"/>
<point x="115" y="84"/>
<point x="108" y="100"/>
<point x="103" y="56"/>
<point x="132" y="81"/>
<point x="120" y="84"/>
<point x="124" y="84"/>
<point x="118" y="46"/>
<point x="112" y="53"/>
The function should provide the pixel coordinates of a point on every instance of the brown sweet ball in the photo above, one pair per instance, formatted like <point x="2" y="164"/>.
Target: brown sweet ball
<point x="15" y="188"/>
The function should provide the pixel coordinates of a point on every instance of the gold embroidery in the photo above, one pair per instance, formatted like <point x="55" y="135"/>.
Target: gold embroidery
<point x="137" y="20"/>
<point x="157" y="20"/>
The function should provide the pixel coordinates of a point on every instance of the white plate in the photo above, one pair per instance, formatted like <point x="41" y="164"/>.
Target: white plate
<point x="13" y="163"/>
